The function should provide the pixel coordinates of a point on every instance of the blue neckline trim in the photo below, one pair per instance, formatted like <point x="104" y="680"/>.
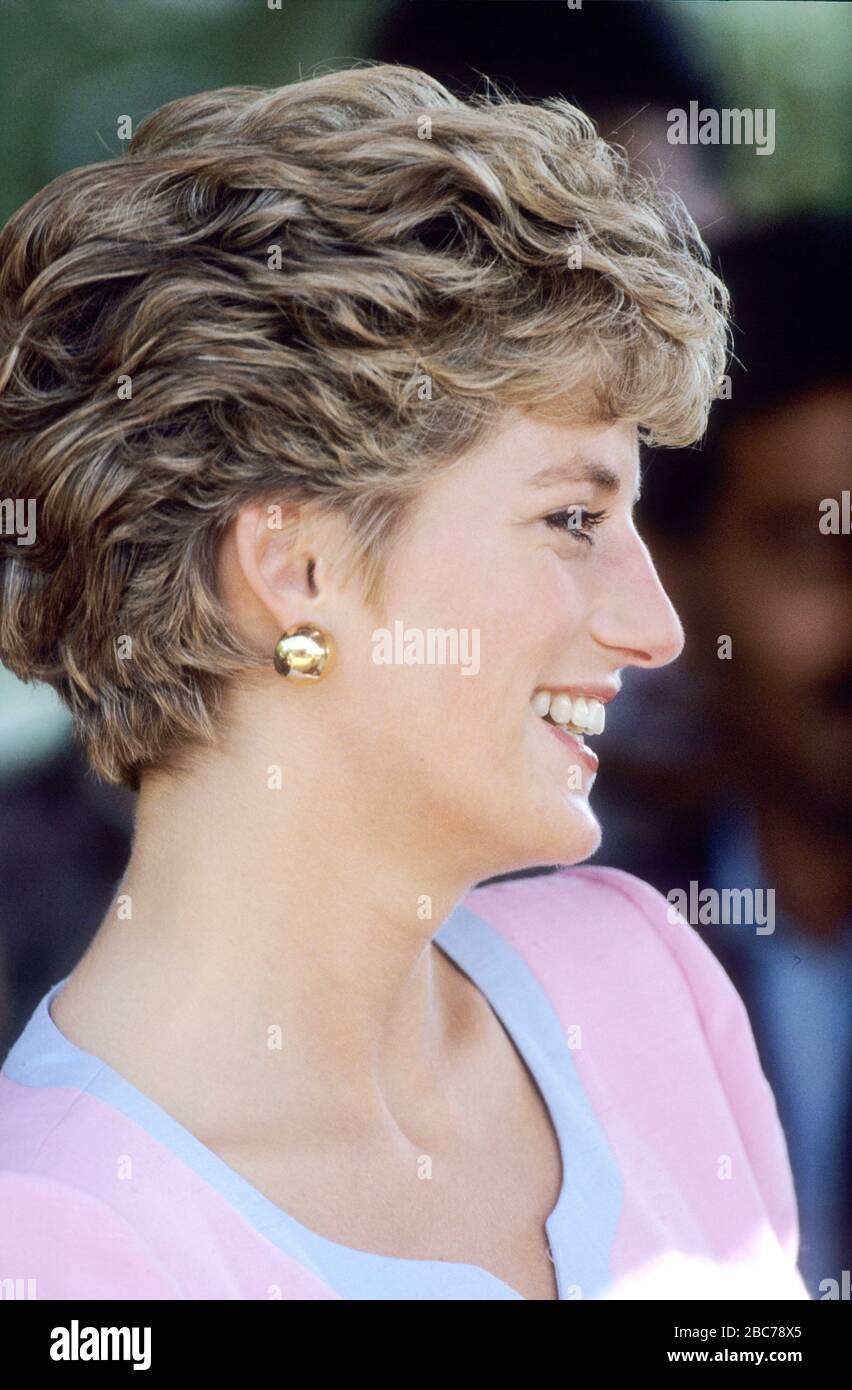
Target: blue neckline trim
<point x="580" y="1228"/>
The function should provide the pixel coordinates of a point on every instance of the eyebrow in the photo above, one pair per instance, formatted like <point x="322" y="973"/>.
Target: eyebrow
<point x="581" y="469"/>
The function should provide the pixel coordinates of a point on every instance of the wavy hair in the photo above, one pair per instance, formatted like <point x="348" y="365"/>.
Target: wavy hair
<point x="318" y="294"/>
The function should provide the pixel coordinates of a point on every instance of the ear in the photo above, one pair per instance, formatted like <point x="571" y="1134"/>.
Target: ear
<point x="271" y="547"/>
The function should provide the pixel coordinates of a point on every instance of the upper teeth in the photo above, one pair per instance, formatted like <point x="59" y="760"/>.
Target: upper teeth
<point x="584" y="713"/>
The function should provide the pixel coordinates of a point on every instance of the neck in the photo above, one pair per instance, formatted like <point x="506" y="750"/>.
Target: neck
<point x="269" y="925"/>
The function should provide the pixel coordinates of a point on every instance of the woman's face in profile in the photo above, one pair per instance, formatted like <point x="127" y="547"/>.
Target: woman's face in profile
<point x="524" y="563"/>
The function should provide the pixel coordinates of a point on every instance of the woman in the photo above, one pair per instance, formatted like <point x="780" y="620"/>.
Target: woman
<point x="330" y="398"/>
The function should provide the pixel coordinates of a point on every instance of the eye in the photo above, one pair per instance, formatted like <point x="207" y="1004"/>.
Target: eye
<point x="578" y="521"/>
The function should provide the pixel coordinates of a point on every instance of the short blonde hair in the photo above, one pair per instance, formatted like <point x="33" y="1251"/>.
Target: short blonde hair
<point x="320" y="294"/>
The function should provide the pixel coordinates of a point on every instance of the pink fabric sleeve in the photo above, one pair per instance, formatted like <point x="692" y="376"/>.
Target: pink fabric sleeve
<point x="72" y="1245"/>
<point x="726" y="1026"/>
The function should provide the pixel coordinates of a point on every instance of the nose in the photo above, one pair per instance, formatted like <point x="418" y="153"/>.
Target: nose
<point x="635" y="616"/>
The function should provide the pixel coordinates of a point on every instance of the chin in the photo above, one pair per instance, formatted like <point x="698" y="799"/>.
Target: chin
<point x="579" y="839"/>
<point x="567" y="836"/>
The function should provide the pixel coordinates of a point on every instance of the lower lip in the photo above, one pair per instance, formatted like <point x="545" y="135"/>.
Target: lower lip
<point x="585" y="755"/>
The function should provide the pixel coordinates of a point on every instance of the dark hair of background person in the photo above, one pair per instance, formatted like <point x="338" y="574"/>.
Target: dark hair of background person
<point x="790" y="288"/>
<point x="599" y="56"/>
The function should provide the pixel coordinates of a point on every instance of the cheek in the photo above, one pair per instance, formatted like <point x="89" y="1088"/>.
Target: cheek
<point x="529" y="620"/>
<point x="554" y="598"/>
<point x="513" y="609"/>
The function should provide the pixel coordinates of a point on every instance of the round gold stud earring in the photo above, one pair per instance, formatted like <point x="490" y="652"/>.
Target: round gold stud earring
<point x="305" y="653"/>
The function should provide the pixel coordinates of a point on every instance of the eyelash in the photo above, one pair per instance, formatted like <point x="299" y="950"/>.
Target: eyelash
<point x="565" y="520"/>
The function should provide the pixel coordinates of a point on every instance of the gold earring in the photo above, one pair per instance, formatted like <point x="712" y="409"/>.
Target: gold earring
<point x="305" y="652"/>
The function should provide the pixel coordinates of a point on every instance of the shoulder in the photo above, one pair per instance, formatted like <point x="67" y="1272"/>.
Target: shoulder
<point x="608" y="947"/>
<point x="94" y="1205"/>
<point x="59" y="1232"/>
<point x="61" y="1242"/>
<point x="587" y="901"/>
<point x="582" y="886"/>
<point x="606" y="939"/>
<point x="578" y="907"/>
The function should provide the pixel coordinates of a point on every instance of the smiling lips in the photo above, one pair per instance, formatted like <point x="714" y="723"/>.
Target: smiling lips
<point x="581" y="715"/>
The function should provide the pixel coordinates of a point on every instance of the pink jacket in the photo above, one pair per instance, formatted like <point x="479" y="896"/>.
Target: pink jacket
<point x="676" y="1180"/>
